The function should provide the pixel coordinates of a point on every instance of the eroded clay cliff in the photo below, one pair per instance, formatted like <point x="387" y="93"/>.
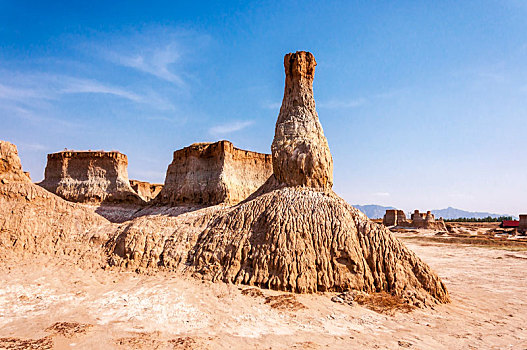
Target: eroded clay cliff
<point x="213" y="173"/>
<point x="89" y="177"/>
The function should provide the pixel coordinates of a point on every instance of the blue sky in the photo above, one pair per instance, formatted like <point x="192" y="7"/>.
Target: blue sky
<point x="424" y="103"/>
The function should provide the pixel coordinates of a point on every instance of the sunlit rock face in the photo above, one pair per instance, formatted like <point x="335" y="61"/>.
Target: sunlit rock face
<point x="89" y="177"/>
<point x="213" y="173"/>
<point x="300" y="150"/>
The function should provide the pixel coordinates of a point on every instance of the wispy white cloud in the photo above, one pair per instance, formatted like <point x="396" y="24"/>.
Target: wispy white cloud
<point x="272" y="105"/>
<point x="157" y="61"/>
<point x="87" y="86"/>
<point x="20" y="93"/>
<point x="381" y="194"/>
<point x="41" y="117"/>
<point x="31" y="146"/>
<point x="157" y="51"/>
<point x="230" y="127"/>
<point x="34" y="87"/>
<point x="342" y="104"/>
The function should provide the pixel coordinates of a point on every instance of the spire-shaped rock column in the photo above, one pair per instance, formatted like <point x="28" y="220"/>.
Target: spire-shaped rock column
<point x="300" y="150"/>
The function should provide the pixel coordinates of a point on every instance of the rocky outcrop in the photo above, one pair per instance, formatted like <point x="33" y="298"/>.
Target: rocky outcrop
<point x="213" y="173"/>
<point x="300" y="150"/>
<point x="35" y="221"/>
<point x="10" y="166"/>
<point x="89" y="177"/>
<point x="146" y="190"/>
<point x="295" y="234"/>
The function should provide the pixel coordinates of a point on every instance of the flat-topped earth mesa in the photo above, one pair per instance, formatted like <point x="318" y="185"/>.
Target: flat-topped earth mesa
<point x="90" y="177"/>
<point x="213" y="173"/>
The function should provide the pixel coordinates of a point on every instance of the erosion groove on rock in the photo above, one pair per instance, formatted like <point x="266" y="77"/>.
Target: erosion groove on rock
<point x="89" y="177"/>
<point x="213" y="173"/>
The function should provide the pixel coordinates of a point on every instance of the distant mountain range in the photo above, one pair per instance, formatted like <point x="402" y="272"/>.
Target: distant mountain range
<point x="377" y="212"/>
<point x="453" y="213"/>
<point x="373" y="211"/>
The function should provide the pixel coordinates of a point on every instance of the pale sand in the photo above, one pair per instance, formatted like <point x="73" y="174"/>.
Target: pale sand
<point x="126" y="310"/>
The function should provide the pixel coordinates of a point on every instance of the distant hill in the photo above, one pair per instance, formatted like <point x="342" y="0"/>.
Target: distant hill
<point x="373" y="211"/>
<point x="453" y="213"/>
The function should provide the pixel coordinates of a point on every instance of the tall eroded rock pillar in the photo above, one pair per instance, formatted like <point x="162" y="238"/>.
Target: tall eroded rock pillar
<point x="300" y="150"/>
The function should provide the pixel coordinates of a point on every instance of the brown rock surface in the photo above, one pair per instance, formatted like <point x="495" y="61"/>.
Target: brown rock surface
<point x="89" y="177"/>
<point x="146" y="190"/>
<point x="295" y="234"/>
<point x="300" y="150"/>
<point x="10" y="166"/>
<point x="213" y="173"/>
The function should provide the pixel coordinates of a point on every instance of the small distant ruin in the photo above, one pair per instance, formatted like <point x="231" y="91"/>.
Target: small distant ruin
<point x="146" y="190"/>
<point x="89" y="177"/>
<point x="214" y="173"/>
<point x="522" y="227"/>
<point x="394" y="217"/>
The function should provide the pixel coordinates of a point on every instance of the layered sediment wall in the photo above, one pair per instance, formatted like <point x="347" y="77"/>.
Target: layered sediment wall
<point x="89" y="177"/>
<point x="214" y="173"/>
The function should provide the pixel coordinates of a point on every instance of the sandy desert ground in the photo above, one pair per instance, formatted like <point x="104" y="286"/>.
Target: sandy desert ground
<point x="45" y="304"/>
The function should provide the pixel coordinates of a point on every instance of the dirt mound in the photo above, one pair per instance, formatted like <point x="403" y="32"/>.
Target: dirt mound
<point x="295" y="234"/>
<point x="301" y="240"/>
<point x="68" y="329"/>
<point x="89" y="177"/>
<point x="45" y="343"/>
<point x="160" y="237"/>
<point x="284" y="302"/>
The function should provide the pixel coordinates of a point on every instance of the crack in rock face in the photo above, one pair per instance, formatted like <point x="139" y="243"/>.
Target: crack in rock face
<point x="300" y="150"/>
